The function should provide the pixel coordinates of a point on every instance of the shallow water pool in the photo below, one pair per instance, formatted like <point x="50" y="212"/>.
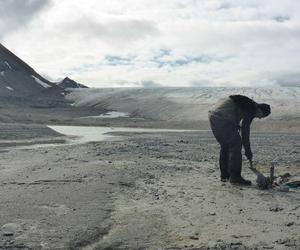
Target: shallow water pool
<point x="84" y="134"/>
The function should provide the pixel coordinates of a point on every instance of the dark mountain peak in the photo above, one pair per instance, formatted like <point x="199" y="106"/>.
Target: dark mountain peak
<point x="69" y="83"/>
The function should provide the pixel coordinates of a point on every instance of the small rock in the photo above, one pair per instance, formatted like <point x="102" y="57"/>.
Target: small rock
<point x="8" y="234"/>
<point x="238" y="243"/>
<point x="194" y="238"/>
<point x="276" y="209"/>
<point x="268" y="247"/>
<point x="212" y="213"/>
<point x="290" y="224"/>
<point x="281" y="241"/>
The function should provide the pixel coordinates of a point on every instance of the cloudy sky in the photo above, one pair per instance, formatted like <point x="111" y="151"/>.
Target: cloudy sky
<point x="149" y="43"/>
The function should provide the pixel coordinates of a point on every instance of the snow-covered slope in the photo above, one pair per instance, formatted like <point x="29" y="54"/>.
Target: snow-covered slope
<point x="183" y="104"/>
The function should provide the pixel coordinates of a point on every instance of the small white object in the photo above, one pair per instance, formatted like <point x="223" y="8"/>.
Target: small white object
<point x="112" y="114"/>
<point x="7" y="64"/>
<point x="10" y="88"/>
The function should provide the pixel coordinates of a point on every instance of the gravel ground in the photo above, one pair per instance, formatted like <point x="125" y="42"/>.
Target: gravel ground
<point x="147" y="191"/>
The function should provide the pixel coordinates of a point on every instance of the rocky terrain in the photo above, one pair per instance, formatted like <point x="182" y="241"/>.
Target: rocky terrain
<point x="145" y="191"/>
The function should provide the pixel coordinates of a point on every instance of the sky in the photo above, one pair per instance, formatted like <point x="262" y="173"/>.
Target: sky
<point x="152" y="43"/>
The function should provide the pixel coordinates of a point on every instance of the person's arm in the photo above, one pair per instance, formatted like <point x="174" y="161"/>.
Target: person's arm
<point x="245" y="133"/>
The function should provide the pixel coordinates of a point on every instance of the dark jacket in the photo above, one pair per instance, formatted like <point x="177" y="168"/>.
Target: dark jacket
<point x="248" y="109"/>
<point x="240" y="111"/>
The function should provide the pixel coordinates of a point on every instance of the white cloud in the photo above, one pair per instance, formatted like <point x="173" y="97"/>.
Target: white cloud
<point x="171" y="42"/>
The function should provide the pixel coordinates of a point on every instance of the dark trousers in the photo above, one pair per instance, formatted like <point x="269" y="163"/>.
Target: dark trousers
<point x="228" y="136"/>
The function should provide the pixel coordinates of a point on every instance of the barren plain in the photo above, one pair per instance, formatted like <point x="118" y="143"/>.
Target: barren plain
<point x="139" y="190"/>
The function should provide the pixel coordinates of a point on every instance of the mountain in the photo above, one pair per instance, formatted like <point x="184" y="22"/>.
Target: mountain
<point x="69" y="83"/>
<point x="17" y="78"/>
<point x="184" y="104"/>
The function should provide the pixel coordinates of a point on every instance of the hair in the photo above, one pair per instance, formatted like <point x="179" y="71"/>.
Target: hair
<point x="265" y="108"/>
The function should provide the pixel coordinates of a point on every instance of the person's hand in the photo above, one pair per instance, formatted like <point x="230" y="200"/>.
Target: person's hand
<point x="249" y="155"/>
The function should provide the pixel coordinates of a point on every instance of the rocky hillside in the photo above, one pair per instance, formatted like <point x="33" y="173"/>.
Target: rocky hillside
<point x="21" y="83"/>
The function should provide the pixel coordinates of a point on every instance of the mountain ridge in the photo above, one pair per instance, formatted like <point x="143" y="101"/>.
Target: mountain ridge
<point x="7" y="55"/>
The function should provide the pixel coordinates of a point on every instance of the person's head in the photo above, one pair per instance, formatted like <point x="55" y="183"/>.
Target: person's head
<point x="262" y="110"/>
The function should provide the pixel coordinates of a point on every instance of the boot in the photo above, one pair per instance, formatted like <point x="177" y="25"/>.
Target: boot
<point x="235" y="168"/>
<point x="224" y="179"/>
<point x="240" y="181"/>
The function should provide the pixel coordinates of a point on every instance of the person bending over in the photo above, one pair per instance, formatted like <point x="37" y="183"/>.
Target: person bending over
<point x="225" y="119"/>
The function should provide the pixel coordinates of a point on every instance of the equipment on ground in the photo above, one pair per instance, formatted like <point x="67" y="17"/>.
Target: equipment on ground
<point x="262" y="181"/>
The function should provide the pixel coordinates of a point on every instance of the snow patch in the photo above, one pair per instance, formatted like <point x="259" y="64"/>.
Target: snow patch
<point x="8" y="65"/>
<point x="45" y="85"/>
<point x="112" y="114"/>
<point x="10" y="88"/>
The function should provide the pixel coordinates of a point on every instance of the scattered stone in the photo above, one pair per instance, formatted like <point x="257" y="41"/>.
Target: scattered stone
<point x="8" y="234"/>
<point x="290" y="224"/>
<point x="268" y="247"/>
<point x="212" y="214"/>
<point x="150" y="181"/>
<point x="281" y="241"/>
<point x="238" y="243"/>
<point x="194" y="238"/>
<point x="276" y="209"/>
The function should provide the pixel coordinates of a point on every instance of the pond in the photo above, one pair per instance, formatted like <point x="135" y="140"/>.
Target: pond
<point x="85" y="134"/>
